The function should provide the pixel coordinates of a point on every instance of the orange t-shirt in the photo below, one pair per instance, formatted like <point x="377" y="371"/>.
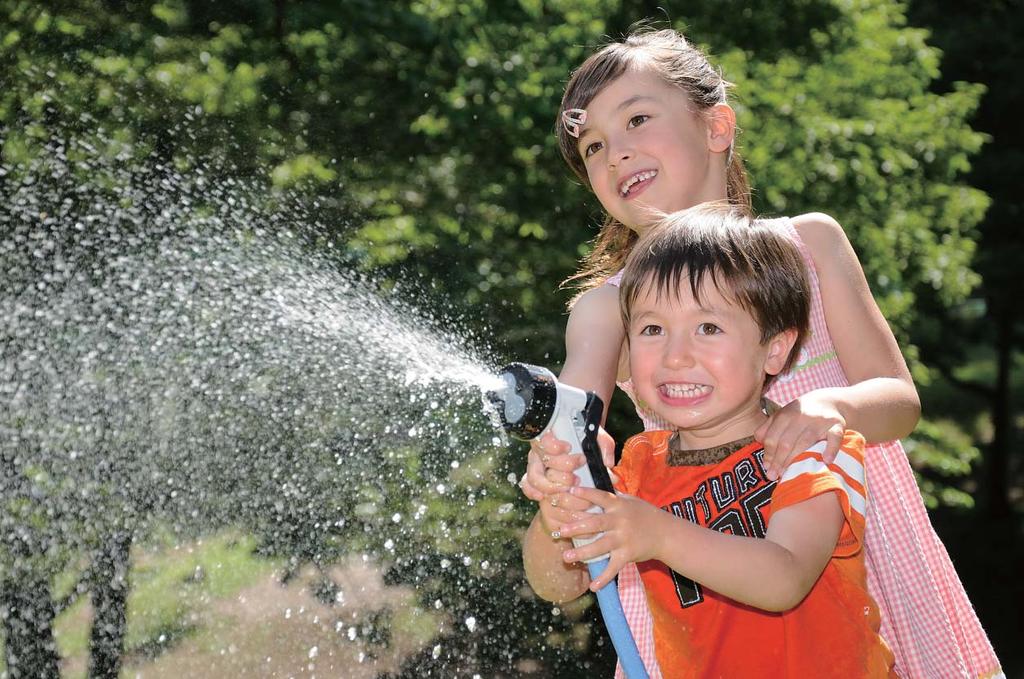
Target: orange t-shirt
<point x="833" y="632"/>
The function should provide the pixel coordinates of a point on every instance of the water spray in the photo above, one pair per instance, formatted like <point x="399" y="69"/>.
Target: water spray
<point x="532" y="402"/>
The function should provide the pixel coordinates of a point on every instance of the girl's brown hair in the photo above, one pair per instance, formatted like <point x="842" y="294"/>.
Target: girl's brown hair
<point x="668" y="54"/>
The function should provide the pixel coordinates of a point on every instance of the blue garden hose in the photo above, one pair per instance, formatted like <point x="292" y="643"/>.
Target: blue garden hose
<point x="615" y="622"/>
<point x="531" y="402"/>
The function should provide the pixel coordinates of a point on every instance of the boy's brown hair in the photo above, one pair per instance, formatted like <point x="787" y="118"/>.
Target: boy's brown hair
<point x="747" y="260"/>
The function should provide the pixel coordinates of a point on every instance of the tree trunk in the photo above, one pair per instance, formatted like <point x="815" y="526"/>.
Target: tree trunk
<point x="997" y="467"/>
<point x="109" y="591"/>
<point x="27" y="610"/>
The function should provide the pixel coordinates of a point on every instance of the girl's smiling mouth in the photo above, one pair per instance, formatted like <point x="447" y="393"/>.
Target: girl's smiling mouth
<point x="636" y="183"/>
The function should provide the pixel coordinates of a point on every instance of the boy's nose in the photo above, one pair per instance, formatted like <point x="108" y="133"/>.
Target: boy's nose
<point x="678" y="353"/>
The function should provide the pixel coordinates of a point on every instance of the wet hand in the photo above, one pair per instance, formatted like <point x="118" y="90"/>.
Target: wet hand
<point x="549" y="476"/>
<point x="798" y="426"/>
<point x="633" y="529"/>
<point x="549" y="468"/>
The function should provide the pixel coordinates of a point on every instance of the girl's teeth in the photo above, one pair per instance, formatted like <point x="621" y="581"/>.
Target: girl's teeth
<point x="638" y="177"/>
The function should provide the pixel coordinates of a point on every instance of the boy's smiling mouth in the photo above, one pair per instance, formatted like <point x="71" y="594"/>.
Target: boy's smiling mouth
<point x="636" y="183"/>
<point x="684" y="392"/>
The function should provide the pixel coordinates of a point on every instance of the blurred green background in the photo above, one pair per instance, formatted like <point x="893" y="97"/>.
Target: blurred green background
<point x="422" y="134"/>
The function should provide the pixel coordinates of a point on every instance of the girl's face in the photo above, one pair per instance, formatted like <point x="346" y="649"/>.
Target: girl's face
<point x="701" y="365"/>
<point x="647" y="151"/>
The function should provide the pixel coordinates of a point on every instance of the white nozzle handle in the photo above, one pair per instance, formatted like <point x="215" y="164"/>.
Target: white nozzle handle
<point x="577" y="419"/>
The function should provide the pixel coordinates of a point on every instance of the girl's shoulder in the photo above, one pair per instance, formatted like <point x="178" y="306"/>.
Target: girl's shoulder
<point x="597" y="296"/>
<point x="819" y="231"/>
<point x="824" y="241"/>
<point x="597" y="309"/>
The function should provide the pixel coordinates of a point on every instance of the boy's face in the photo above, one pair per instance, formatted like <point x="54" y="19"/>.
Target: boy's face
<point x="701" y="367"/>
<point x="644" y="148"/>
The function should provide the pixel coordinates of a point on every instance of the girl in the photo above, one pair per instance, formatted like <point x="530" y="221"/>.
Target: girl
<point x="645" y="124"/>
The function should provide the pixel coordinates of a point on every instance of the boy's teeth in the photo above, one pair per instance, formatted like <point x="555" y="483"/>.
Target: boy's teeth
<point x="686" y="390"/>
<point x="638" y="177"/>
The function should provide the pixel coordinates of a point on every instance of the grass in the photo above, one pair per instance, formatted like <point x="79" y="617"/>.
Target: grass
<point x="171" y="586"/>
<point x="213" y="608"/>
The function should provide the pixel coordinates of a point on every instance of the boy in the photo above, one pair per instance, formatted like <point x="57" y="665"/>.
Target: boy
<point x="745" y="577"/>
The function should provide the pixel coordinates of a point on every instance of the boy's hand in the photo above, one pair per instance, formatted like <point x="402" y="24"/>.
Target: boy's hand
<point x="798" y="426"/>
<point x="631" y="527"/>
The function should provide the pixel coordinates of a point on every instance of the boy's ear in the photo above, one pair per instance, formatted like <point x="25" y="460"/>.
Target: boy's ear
<point x="778" y="351"/>
<point x="721" y="127"/>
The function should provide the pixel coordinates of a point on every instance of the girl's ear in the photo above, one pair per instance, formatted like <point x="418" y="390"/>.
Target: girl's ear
<point x="721" y="127"/>
<point x="778" y="351"/>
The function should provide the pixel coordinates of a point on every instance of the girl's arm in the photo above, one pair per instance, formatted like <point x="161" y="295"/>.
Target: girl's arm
<point x="772" y="574"/>
<point x="550" y="577"/>
<point x="881" y="401"/>
<point x="593" y="340"/>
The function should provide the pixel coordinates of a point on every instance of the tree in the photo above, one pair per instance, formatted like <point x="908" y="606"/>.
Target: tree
<point x="977" y="47"/>
<point x="416" y="139"/>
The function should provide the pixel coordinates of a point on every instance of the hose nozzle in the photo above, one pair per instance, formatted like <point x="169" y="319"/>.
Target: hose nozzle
<point x="527" y="400"/>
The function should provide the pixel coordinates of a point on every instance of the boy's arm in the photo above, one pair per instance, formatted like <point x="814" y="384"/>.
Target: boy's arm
<point x="772" y="574"/>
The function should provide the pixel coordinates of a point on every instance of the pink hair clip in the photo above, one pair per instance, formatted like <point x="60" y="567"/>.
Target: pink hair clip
<point x="573" y="119"/>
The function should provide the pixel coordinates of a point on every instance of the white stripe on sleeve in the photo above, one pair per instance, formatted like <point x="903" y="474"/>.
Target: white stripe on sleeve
<point x="814" y="465"/>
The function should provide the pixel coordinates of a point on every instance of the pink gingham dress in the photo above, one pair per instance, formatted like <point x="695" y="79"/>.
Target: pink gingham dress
<point x="927" y="619"/>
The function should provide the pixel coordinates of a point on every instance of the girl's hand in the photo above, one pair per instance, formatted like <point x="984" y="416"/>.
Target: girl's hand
<point x="549" y="476"/>
<point x="537" y="482"/>
<point x="798" y="426"/>
<point x="632" y="531"/>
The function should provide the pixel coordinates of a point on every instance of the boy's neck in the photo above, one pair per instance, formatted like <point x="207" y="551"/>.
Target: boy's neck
<point x="679" y="456"/>
<point x="713" y="439"/>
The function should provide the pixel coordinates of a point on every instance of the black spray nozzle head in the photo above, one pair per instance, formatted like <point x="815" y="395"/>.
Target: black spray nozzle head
<point x="527" y="400"/>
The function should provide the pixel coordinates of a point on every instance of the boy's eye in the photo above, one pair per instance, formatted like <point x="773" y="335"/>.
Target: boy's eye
<point x="591" y="149"/>
<point x="651" y="330"/>
<point x="708" y="329"/>
<point x="638" y="119"/>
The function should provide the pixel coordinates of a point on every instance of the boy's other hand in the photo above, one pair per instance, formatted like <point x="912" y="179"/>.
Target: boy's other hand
<point x="796" y="427"/>
<point x="631" y="527"/>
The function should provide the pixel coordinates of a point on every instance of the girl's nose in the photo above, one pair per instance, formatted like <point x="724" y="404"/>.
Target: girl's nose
<point x="617" y="153"/>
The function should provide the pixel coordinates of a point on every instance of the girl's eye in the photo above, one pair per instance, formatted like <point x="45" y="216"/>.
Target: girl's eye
<point x="638" y="119"/>
<point x="651" y="330"/>
<point x="708" y="329"/>
<point x="591" y="149"/>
